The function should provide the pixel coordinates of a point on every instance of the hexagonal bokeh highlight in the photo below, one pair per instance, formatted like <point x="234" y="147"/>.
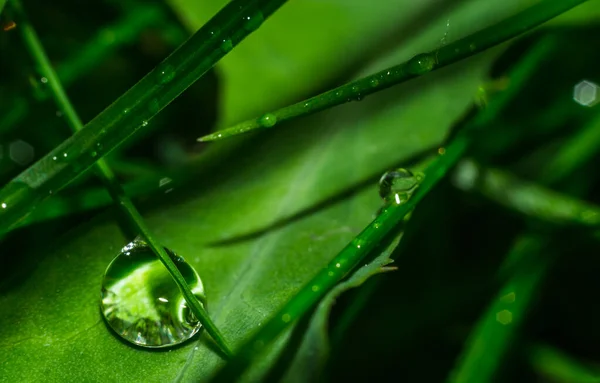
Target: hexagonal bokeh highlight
<point x="21" y="152"/>
<point x="586" y="93"/>
<point x="504" y="317"/>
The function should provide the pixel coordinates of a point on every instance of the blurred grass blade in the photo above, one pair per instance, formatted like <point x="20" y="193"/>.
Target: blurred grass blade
<point x="129" y="211"/>
<point x="527" y="198"/>
<point x="578" y="149"/>
<point x="496" y="330"/>
<point x="489" y="342"/>
<point x="417" y="66"/>
<point x="557" y="366"/>
<point x="133" y="110"/>
<point x="107" y="40"/>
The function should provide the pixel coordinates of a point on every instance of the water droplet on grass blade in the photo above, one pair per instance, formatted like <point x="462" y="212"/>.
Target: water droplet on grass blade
<point x="142" y="303"/>
<point x="226" y="45"/>
<point x="396" y="186"/>
<point x="268" y="120"/>
<point x="166" y="74"/>
<point x="252" y="22"/>
<point x="421" y="64"/>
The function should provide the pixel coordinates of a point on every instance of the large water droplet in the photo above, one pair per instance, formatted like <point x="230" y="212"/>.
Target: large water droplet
<point x="142" y="303"/>
<point x="397" y="186"/>
<point x="420" y="64"/>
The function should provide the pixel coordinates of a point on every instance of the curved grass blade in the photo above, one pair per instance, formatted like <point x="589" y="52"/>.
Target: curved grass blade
<point x="107" y="176"/>
<point x="346" y="261"/>
<point x="417" y="66"/>
<point x="134" y="109"/>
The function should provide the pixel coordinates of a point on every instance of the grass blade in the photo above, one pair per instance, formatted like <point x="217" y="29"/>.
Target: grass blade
<point x="133" y="110"/>
<point x="344" y="262"/>
<point x="417" y="66"/>
<point x="107" y="176"/>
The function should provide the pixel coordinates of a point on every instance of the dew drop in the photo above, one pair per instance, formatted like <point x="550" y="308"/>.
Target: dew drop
<point x="144" y="123"/>
<point x="374" y="82"/>
<point x="268" y="120"/>
<point x="396" y="186"/>
<point x="226" y="45"/>
<point x="166" y="74"/>
<point x="142" y="303"/>
<point x="421" y="64"/>
<point x="251" y="23"/>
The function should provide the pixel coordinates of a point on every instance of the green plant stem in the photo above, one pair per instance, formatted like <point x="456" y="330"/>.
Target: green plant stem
<point x="133" y="110"/>
<point x="107" y="176"/>
<point x="107" y="40"/>
<point x="352" y="255"/>
<point x="417" y="66"/>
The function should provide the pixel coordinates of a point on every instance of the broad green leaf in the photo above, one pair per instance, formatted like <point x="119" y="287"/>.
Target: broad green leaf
<point x="53" y="330"/>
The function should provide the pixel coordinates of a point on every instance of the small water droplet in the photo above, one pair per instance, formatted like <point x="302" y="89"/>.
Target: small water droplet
<point x="226" y="45"/>
<point x="44" y="80"/>
<point x="421" y="64"/>
<point x="268" y="120"/>
<point x="358" y="243"/>
<point x="93" y="154"/>
<point x="126" y="111"/>
<point x="374" y="82"/>
<point x="144" y="123"/>
<point x="286" y="318"/>
<point x="252" y="22"/>
<point x="166" y="73"/>
<point x="397" y="186"/>
<point x="142" y="303"/>
<point x="315" y="288"/>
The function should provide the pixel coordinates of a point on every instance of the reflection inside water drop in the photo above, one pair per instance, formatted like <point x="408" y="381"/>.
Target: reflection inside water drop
<point x="397" y="186"/>
<point x="142" y="303"/>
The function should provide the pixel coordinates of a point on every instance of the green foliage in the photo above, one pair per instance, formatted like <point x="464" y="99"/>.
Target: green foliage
<point x="263" y="217"/>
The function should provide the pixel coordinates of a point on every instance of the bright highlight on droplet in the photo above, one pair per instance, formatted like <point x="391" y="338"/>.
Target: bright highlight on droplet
<point x="142" y="303"/>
